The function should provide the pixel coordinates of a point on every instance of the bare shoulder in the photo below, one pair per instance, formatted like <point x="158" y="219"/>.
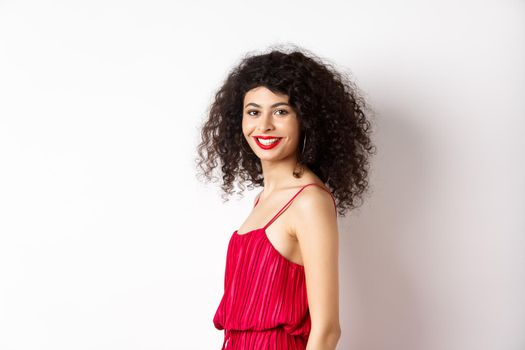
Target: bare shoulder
<point x="315" y="222"/>
<point x="313" y="208"/>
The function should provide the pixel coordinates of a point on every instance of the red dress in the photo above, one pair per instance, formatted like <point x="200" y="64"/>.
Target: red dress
<point x="265" y="304"/>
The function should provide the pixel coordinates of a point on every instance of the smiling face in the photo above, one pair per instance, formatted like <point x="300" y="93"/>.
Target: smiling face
<point x="269" y="124"/>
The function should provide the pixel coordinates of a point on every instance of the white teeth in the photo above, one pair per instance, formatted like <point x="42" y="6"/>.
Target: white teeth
<point x="268" y="141"/>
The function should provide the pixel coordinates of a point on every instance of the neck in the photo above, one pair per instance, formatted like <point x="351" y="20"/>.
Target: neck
<point x="279" y="174"/>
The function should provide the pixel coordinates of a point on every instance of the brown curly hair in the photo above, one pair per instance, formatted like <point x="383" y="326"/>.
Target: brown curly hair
<point x="330" y="111"/>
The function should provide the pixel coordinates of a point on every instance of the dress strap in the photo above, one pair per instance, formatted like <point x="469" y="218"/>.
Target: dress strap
<point x="257" y="201"/>
<point x="287" y="204"/>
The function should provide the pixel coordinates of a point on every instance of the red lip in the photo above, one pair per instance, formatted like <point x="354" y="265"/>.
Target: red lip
<point x="265" y="138"/>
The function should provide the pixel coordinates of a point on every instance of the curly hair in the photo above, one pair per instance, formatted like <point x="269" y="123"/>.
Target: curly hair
<point x="330" y="112"/>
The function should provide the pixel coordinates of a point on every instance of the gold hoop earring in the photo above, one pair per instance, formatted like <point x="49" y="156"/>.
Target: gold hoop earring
<point x="300" y="165"/>
<point x="304" y="143"/>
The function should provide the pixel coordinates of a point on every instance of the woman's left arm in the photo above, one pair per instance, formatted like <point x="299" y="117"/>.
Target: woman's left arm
<point x="316" y="230"/>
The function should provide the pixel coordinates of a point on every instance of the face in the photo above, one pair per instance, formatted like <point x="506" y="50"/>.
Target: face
<point x="269" y="124"/>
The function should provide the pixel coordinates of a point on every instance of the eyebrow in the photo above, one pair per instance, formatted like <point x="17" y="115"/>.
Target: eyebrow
<point x="274" y="105"/>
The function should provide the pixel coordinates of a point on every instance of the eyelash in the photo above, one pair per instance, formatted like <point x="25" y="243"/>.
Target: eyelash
<point x="283" y="110"/>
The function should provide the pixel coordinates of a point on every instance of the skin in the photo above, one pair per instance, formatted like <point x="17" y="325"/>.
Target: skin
<point x="306" y="233"/>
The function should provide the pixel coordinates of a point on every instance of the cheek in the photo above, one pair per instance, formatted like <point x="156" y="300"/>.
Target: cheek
<point x="244" y="124"/>
<point x="247" y="126"/>
<point x="293" y="130"/>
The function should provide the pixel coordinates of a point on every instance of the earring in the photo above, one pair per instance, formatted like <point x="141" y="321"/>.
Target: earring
<point x="304" y="142"/>
<point x="297" y="173"/>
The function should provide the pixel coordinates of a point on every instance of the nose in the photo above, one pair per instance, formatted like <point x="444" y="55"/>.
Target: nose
<point x="265" y="122"/>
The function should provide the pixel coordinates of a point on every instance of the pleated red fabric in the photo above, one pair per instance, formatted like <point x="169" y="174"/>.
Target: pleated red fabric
<point x="265" y="304"/>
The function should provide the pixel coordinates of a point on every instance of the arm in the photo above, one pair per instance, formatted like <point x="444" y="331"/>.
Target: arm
<point x="316" y="230"/>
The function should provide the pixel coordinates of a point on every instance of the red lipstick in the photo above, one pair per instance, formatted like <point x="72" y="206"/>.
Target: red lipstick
<point x="270" y="146"/>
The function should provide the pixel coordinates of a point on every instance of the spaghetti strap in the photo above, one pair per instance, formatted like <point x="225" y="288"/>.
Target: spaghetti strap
<point x="257" y="201"/>
<point x="296" y="194"/>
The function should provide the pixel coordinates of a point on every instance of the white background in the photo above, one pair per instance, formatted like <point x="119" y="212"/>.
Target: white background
<point x="109" y="241"/>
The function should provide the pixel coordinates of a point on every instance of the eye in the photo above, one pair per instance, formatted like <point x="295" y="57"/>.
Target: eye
<point x="282" y="110"/>
<point x="254" y="112"/>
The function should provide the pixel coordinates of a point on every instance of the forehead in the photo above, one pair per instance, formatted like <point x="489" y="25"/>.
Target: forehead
<point x="262" y="93"/>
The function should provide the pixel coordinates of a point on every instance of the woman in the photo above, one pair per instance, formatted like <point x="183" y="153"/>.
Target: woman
<point x="290" y="123"/>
